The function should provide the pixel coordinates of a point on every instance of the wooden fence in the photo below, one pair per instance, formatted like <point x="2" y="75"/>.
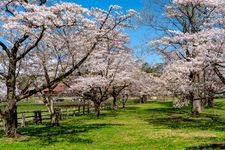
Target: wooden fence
<point x="66" y="110"/>
<point x="38" y="116"/>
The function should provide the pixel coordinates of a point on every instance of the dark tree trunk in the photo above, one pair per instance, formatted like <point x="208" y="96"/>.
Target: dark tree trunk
<point x="210" y="101"/>
<point x="143" y="99"/>
<point x="124" y="104"/>
<point x="98" y="113"/>
<point x="97" y="108"/>
<point x="10" y="110"/>
<point x="124" y="100"/>
<point x="114" y="102"/>
<point x="210" y="97"/>
<point x="10" y="121"/>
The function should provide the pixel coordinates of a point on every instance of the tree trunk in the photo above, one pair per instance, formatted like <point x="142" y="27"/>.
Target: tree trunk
<point x="195" y="96"/>
<point x="114" y="102"/>
<point x="210" y="101"/>
<point x="10" y="121"/>
<point x="124" y="104"/>
<point x="50" y="104"/>
<point x="55" y="117"/>
<point x="124" y="100"/>
<point x="210" y="97"/>
<point x="196" y="107"/>
<point x="97" y="108"/>
<point x="143" y="98"/>
<point x="10" y="110"/>
<point x="54" y="112"/>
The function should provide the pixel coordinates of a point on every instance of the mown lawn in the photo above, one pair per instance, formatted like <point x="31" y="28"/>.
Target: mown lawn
<point x="154" y="125"/>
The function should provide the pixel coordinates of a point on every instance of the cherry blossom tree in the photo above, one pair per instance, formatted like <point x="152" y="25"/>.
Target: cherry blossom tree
<point x="123" y="96"/>
<point x="27" y="26"/>
<point x="146" y="85"/>
<point x="107" y="73"/>
<point x="195" y="45"/>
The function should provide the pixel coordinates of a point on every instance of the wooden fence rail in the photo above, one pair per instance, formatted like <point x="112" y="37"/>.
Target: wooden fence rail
<point x="37" y="116"/>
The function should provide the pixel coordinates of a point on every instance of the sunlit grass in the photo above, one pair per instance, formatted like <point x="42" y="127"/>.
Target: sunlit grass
<point x="154" y="125"/>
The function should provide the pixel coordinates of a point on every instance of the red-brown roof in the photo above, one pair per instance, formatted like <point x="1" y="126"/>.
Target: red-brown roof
<point x="58" y="88"/>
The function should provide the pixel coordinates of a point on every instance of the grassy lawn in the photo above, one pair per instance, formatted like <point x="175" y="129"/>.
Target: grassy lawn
<point x="154" y="125"/>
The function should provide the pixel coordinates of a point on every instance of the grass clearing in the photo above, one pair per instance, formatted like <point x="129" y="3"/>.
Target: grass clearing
<point x="154" y="125"/>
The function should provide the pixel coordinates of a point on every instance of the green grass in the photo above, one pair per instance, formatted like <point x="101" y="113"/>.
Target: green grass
<point x="154" y="125"/>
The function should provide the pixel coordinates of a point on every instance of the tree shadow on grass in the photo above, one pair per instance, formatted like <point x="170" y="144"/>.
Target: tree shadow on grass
<point x="182" y="118"/>
<point x="211" y="146"/>
<point x="47" y="135"/>
<point x="168" y="110"/>
<point x="129" y="108"/>
<point x="219" y="106"/>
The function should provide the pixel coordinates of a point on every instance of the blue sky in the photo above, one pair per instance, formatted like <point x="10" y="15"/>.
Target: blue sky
<point x="139" y="37"/>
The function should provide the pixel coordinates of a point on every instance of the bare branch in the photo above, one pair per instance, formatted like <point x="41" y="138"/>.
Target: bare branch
<point x="4" y="47"/>
<point x="219" y="74"/>
<point x="18" y="43"/>
<point x="33" y="46"/>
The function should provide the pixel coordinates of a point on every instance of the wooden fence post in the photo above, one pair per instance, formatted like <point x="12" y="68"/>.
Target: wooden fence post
<point x="78" y="108"/>
<point x="74" y="110"/>
<point x="88" y="108"/>
<point x="61" y="114"/>
<point x="23" y="120"/>
<point x="67" y="113"/>
<point x="84" y="108"/>
<point x="37" y="117"/>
